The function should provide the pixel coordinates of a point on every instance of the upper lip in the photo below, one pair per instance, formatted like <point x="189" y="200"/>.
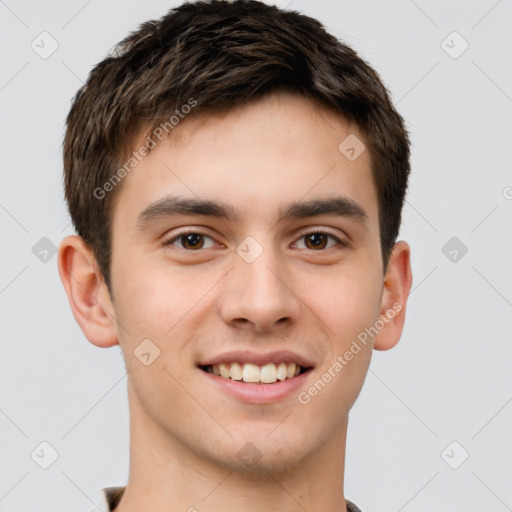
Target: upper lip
<point x="241" y="356"/>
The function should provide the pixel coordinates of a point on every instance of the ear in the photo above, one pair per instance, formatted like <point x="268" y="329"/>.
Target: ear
<point x="397" y="285"/>
<point x="87" y="292"/>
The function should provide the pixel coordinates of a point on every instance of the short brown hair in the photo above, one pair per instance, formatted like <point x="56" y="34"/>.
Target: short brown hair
<point x="222" y="55"/>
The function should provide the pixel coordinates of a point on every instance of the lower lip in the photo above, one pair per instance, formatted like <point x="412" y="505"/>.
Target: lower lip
<point x="254" y="393"/>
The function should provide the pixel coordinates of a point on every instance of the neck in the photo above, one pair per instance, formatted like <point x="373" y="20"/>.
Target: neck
<point x="166" y="476"/>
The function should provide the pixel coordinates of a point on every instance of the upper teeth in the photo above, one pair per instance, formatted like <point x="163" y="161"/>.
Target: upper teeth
<point x="248" y="372"/>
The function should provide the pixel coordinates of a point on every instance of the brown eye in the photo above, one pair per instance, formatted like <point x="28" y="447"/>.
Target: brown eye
<point x="316" y="240"/>
<point x="191" y="241"/>
<point x="319" y="240"/>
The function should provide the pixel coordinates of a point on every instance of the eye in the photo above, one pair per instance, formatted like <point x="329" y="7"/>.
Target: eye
<point x="191" y="241"/>
<point x="319" y="240"/>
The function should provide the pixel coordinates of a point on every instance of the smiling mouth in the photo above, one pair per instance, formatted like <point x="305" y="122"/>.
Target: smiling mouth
<point x="256" y="374"/>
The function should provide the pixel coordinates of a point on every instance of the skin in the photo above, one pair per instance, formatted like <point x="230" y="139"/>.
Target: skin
<point x="195" y="303"/>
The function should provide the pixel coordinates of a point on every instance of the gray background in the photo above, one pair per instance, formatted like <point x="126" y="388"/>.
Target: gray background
<point x="449" y="378"/>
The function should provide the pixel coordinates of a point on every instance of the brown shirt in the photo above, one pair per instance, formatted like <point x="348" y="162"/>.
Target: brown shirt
<point x="111" y="496"/>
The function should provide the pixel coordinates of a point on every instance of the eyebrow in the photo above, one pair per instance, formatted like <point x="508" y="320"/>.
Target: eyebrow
<point x="172" y="205"/>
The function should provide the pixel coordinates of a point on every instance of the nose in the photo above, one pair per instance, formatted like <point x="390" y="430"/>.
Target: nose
<point x="259" y="295"/>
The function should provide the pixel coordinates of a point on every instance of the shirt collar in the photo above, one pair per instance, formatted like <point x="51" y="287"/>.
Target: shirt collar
<point x="111" y="496"/>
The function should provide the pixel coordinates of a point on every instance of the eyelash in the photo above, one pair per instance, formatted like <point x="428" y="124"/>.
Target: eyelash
<point x="171" y="241"/>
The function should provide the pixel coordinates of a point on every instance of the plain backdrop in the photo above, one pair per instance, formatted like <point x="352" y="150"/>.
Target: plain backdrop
<point x="431" y="428"/>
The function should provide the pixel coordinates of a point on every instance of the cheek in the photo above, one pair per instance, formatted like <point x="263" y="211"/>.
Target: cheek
<point x="354" y="309"/>
<point x="152" y="298"/>
<point x="347" y="301"/>
<point x="156" y="304"/>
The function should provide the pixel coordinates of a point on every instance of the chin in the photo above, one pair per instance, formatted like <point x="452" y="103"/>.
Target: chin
<point x="267" y="461"/>
<point x="256" y="454"/>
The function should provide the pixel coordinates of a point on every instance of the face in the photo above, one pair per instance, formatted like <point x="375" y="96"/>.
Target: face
<point x="255" y="275"/>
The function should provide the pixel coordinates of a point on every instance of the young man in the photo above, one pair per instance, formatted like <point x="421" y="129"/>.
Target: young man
<point x="236" y="177"/>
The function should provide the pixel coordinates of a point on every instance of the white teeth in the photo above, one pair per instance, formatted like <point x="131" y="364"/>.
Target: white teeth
<point x="281" y="371"/>
<point x="249" y="372"/>
<point x="268" y="373"/>
<point x="224" y="370"/>
<point x="235" y="371"/>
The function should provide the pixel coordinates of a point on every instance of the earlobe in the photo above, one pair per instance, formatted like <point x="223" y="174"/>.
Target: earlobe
<point x="397" y="286"/>
<point x="87" y="292"/>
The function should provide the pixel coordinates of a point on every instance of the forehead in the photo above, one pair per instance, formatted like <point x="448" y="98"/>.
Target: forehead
<point x="255" y="158"/>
